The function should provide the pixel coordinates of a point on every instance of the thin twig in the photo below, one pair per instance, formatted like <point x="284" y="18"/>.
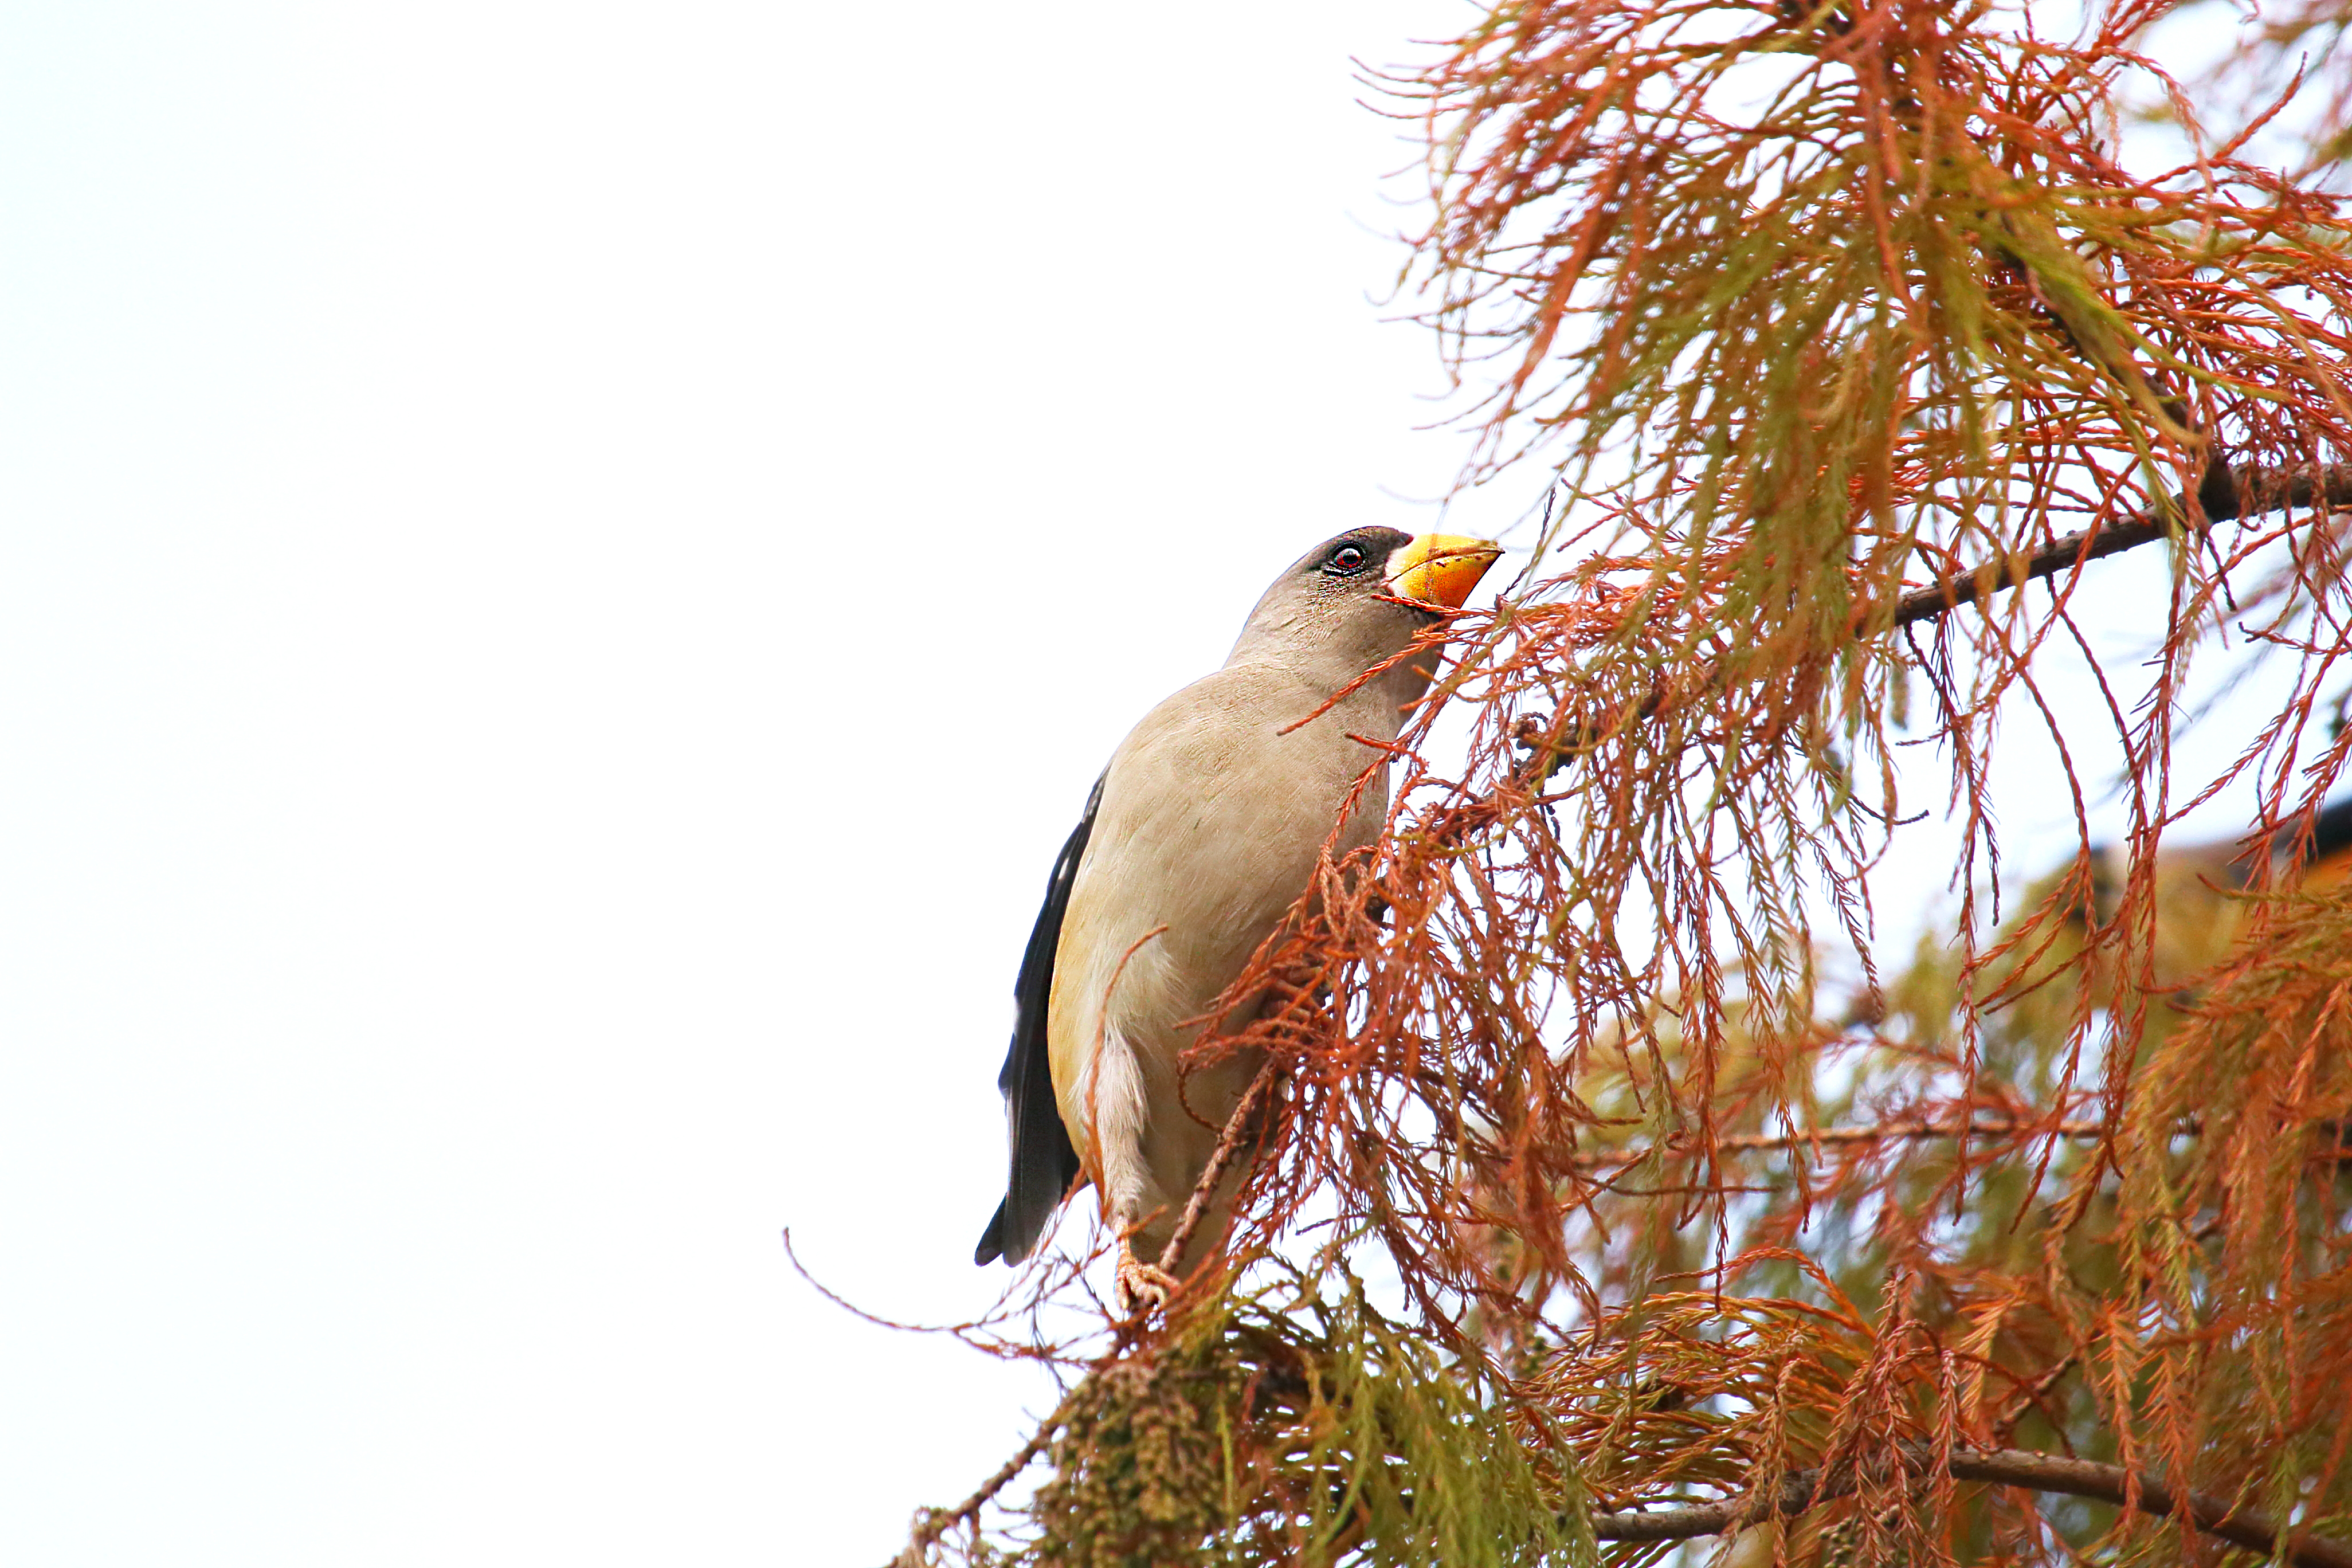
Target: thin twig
<point x="935" y="1523"/>
<point x="2247" y="1528"/>
<point x="1877" y="1132"/>
<point x="1228" y="1142"/>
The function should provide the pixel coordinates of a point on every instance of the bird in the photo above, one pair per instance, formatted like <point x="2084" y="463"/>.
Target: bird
<point x="1196" y="841"/>
<point x="2199" y="887"/>
<point x="2311" y="858"/>
<point x="2326" y="856"/>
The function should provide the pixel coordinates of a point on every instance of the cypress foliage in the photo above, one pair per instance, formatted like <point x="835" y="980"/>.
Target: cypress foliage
<point x="1854" y="345"/>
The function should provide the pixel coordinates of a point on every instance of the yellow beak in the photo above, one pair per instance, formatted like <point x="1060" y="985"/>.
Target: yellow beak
<point x="1440" y="569"/>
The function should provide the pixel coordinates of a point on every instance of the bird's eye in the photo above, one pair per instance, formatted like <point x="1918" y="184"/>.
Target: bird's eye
<point x="1344" y="560"/>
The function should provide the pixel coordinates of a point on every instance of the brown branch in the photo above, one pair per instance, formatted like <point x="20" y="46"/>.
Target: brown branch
<point x="1228" y="1143"/>
<point x="2246" y="1528"/>
<point x="2228" y="493"/>
<point x="935" y="1522"/>
<point x="1888" y="1131"/>
<point x="2251" y="489"/>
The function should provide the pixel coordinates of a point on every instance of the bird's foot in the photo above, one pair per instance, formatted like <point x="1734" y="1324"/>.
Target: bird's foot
<point x="1141" y="1287"/>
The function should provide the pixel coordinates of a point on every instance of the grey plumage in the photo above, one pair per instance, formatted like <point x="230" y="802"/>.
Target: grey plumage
<point x="1201" y="836"/>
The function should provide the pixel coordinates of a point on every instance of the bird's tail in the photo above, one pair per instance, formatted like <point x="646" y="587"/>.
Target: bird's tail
<point x="991" y="1240"/>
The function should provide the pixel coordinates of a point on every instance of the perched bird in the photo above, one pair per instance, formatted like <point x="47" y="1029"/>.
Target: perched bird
<point x="2310" y="860"/>
<point x="2326" y="856"/>
<point x="1198" y="838"/>
<point x="2198" y="913"/>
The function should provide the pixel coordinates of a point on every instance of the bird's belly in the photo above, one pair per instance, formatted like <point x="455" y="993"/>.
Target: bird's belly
<point x="1206" y="840"/>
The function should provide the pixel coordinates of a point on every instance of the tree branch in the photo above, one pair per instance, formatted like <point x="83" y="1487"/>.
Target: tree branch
<point x="2245" y="490"/>
<point x="1229" y="1142"/>
<point x="2251" y="489"/>
<point x="2246" y="1528"/>
<point x="1880" y="1131"/>
<point x="932" y="1523"/>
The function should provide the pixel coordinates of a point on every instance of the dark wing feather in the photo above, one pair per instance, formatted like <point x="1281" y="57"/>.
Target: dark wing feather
<point x="1044" y="1164"/>
<point x="2331" y="834"/>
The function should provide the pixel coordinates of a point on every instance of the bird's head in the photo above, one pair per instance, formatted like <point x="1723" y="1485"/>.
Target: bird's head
<point x="1363" y="595"/>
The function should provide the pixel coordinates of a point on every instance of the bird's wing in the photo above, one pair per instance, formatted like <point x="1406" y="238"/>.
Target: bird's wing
<point x="1044" y="1162"/>
<point x="2329" y="856"/>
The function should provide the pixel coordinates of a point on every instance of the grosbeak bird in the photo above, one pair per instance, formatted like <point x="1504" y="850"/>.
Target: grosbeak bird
<point x="1195" y="843"/>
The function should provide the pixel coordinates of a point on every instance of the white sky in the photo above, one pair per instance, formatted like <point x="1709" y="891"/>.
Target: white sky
<point x="566" y="569"/>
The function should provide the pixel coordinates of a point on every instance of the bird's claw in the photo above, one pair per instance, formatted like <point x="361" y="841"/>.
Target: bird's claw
<point x="1142" y="1287"/>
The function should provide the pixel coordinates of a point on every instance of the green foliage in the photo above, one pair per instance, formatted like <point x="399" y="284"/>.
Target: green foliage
<point x="1140" y="1475"/>
<point x="1282" y="1427"/>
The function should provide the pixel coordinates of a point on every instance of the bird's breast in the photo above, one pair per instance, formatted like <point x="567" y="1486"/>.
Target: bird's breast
<point x="1212" y="821"/>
